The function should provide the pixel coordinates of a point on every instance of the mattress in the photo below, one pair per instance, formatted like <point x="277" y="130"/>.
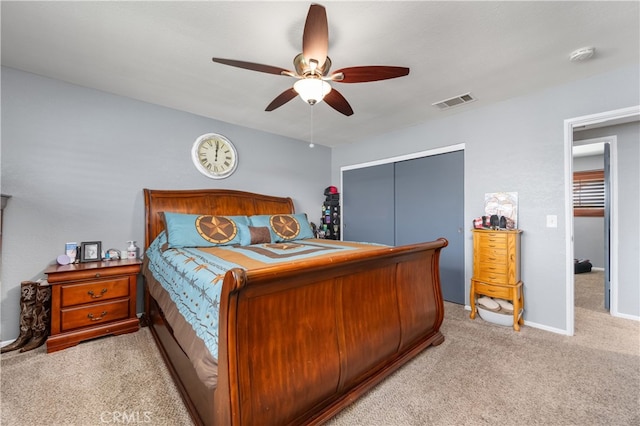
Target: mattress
<point x="187" y="284"/>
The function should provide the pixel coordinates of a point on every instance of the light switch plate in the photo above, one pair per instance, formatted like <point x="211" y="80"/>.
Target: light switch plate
<point x="552" y="221"/>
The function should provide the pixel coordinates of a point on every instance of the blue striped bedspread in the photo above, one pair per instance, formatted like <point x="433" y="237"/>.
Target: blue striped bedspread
<point x="193" y="277"/>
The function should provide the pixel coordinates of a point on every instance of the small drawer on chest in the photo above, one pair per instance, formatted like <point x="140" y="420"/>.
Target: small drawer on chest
<point x="94" y="314"/>
<point x="493" y="255"/>
<point x="493" y="241"/>
<point x="501" y="292"/>
<point x="492" y="277"/>
<point x="94" y="291"/>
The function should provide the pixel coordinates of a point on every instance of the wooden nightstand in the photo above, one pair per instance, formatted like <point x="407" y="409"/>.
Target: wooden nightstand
<point x="496" y="270"/>
<point x="92" y="299"/>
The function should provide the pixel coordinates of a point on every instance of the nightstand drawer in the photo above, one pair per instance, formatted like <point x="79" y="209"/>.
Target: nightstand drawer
<point x="92" y="299"/>
<point x="94" y="291"/>
<point x="96" y="313"/>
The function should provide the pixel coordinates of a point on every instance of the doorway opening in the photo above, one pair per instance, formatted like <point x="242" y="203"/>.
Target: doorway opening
<point x="594" y="180"/>
<point x="603" y="119"/>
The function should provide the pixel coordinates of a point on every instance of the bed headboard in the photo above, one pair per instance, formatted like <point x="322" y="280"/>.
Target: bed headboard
<point x="207" y="201"/>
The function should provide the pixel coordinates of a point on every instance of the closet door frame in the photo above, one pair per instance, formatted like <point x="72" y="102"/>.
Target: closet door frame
<point x="370" y="200"/>
<point x="412" y="156"/>
<point x="397" y="159"/>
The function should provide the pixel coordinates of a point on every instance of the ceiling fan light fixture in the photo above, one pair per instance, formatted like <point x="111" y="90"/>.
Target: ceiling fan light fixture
<point x="312" y="90"/>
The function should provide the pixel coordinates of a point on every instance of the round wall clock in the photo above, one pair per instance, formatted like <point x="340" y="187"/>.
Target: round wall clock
<point x="214" y="156"/>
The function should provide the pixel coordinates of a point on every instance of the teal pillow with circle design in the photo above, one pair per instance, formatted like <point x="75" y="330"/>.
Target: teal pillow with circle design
<point x="193" y="230"/>
<point x="284" y="227"/>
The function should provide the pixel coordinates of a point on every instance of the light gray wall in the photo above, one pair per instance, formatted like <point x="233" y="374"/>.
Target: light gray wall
<point x="76" y="160"/>
<point x="628" y="146"/>
<point x="516" y="145"/>
<point x="588" y="232"/>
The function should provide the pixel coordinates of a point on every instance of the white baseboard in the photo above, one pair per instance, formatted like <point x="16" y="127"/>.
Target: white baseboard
<point x="7" y="342"/>
<point x="546" y="328"/>
<point x="626" y="316"/>
<point x="534" y="325"/>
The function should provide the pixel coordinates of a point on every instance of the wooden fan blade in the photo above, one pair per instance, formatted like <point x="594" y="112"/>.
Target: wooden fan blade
<point x="336" y="101"/>
<point x="368" y="73"/>
<point x="315" y="39"/>
<point x="253" y="66"/>
<point x="282" y="99"/>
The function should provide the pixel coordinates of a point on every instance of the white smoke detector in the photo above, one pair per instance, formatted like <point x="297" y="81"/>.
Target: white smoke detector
<point x="582" y="54"/>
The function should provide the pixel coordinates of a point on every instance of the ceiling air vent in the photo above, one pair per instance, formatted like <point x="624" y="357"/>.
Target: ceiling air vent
<point x="455" y="101"/>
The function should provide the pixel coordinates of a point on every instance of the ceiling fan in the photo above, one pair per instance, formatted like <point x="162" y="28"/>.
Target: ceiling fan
<point x="312" y="68"/>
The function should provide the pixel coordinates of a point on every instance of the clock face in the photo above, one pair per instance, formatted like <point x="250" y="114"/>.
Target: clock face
<point x="214" y="156"/>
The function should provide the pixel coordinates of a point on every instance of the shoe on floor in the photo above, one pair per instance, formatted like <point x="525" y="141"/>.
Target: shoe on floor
<point x="505" y="306"/>
<point x="488" y="303"/>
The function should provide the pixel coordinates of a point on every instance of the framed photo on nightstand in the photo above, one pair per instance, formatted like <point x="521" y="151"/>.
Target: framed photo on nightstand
<point x="91" y="251"/>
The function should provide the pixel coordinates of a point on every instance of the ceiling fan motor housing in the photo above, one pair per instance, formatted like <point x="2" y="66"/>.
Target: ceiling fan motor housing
<point x="303" y="66"/>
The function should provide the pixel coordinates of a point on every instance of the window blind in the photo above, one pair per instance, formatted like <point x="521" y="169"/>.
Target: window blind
<point x="588" y="193"/>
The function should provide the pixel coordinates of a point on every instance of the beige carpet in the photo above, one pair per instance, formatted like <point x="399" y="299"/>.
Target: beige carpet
<point x="489" y="374"/>
<point x="482" y="374"/>
<point x="589" y="291"/>
<point x="112" y="380"/>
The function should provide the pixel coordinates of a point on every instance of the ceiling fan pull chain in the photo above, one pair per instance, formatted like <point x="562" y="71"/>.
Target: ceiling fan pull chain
<point x="311" y="145"/>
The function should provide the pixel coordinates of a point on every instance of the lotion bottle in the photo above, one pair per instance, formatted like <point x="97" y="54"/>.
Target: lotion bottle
<point x="132" y="250"/>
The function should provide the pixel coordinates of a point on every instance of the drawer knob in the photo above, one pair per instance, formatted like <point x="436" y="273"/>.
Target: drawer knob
<point x="97" y="274"/>
<point x="97" y="296"/>
<point x="102" y="315"/>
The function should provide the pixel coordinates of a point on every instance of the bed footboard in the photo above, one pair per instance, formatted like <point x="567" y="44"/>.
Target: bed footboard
<point x="298" y="344"/>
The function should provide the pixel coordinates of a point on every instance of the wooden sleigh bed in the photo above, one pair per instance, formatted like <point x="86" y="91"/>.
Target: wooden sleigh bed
<point x="299" y="342"/>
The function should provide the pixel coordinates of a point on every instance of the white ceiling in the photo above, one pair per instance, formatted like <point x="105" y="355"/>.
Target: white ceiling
<point x="160" y="52"/>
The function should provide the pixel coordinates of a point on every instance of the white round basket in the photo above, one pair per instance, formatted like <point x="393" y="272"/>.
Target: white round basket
<point x="495" y="317"/>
